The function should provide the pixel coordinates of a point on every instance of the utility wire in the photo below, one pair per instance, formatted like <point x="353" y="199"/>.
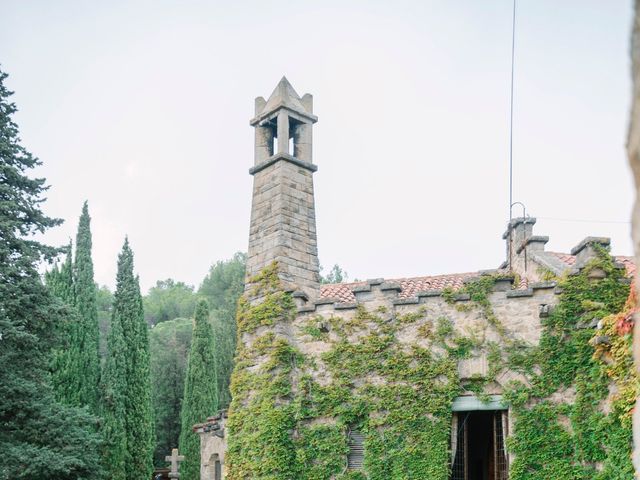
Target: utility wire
<point x="579" y="220"/>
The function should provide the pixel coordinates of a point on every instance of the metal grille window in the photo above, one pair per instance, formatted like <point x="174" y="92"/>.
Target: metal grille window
<point x="478" y="449"/>
<point x="355" y="457"/>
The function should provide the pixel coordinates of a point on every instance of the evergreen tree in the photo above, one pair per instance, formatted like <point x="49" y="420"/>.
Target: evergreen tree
<point x="40" y="439"/>
<point x="60" y="280"/>
<point x="64" y="359"/>
<point x="169" y="346"/>
<point x="200" y="397"/>
<point x="114" y="388"/>
<point x="222" y="287"/>
<point x="131" y="378"/>
<point x="88" y="334"/>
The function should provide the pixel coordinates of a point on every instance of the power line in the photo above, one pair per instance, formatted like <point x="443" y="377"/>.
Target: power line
<point x="580" y="220"/>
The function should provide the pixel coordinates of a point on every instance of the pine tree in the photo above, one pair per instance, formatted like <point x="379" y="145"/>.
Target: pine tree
<point x="128" y="373"/>
<point x="88" y="334"/>
<point x="40" y="439"/>
<point x="200" y="394"/>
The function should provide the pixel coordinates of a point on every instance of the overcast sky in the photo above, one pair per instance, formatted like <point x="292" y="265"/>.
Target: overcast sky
<point x="142" y="108"/>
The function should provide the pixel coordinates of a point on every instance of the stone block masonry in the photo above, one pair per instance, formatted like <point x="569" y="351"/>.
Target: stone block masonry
<point x="283" y="221"/>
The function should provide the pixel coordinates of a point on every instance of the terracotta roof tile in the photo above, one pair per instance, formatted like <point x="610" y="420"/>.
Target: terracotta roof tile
<point x="410" y="287"/>
<point x="342" y="292"/>
<point x="628" y="262"/>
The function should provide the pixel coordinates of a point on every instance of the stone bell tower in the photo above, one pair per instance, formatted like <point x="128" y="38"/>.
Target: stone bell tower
<point x="283" y="219"/>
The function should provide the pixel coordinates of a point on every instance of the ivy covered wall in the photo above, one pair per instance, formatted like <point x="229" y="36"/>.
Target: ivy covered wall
<point x="391" y="369"/>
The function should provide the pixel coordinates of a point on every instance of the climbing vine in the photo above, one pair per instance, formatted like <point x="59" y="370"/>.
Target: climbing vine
<point x="291" y="412"/>
<point x="561" y="428"/>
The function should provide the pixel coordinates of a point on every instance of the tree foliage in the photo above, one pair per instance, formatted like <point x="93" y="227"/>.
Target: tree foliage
<point x="167" y="300"/>
<point x="169" y="346"/>
<point x="127" y="377"/>
<point x="65" y="354"/>
<point x="104" y="300"/>
<point x="88" y="334"/>
<point x="114" y="388"/>
<point x="335" y="275"/>
<point x="39" y="437"/>
<point x="200" y="393"/>
<point x="222" y="287"/>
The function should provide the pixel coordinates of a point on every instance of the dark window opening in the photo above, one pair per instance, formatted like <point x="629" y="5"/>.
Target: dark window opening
<point x="355" y="457"/>
<point x="478" y="446"/>
<point x="218" y="470"/>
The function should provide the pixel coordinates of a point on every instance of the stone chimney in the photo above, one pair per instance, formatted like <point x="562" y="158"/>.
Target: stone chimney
<point x="586" y="250"/>
<point x="519" y="241"/>
<point x="283" y="219"/>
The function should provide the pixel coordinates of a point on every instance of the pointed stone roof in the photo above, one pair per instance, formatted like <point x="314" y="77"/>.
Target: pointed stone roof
<point x="284" y="96"/>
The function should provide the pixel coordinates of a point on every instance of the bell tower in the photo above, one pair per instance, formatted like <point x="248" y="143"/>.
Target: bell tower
<point x="283" y="219"/>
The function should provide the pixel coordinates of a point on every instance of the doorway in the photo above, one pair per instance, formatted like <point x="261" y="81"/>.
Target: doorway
<point x="478" y="445"/>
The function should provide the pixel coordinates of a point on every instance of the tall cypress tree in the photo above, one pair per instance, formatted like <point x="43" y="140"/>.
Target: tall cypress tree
<point x="114" y="388"/>
<point x="222" y="287"/>
<point x="130" y="373"/>
<point x="39" y="438"/>
<point x="86" y="305"/>
<point x="65" y="356"/>
<point x="200" y="392"/>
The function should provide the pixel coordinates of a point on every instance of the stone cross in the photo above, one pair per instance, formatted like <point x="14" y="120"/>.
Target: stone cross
<point x="175" y="460"/>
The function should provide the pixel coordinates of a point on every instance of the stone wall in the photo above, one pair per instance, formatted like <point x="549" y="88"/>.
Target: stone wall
<point x="518" y="311"/>
<point x="213" y="445"/>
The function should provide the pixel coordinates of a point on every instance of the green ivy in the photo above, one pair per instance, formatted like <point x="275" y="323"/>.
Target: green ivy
<point x="289" y="417"/>
<point x="560" y="430"/>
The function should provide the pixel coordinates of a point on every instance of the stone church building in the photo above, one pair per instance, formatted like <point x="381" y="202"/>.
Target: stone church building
<point x="438" y="318"/>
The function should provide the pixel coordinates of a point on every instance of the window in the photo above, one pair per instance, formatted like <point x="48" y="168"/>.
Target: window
<point x="478" y="450"/>
<point x="355" y="457"/>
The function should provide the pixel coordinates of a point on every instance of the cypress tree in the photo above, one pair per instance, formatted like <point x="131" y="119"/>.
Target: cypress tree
<point x="64" y="359"/>
<point x="222" y="287"/>
<point x="39" y="438"/>
<point x="114" y="382"/>
<point x="131" y="378"/>
<point x="88" y="335"/>
<point x="200" y="393"/>
<point x="60" y="280"/>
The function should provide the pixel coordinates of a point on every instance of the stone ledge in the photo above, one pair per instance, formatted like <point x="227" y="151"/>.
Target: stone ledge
<point x="326" y="301"/>
<point x="361" y="288"/>
<point x="407" y="301"/>
<point x="429" y="293"/>
<point x="520" y="293"/>
<point x="308" y="309"/>
<point x="543" y="285"/>
<point x="604" y="241"/>
<point x="345" y="306"/>
<point x="300" y="294"/>
<point x="533" y="239"/>
<point x="387" y="286"/>
<point x="287" y="158"/>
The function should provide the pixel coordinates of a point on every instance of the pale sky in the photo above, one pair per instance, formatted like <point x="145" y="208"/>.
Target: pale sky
<point x="142" y="108"/>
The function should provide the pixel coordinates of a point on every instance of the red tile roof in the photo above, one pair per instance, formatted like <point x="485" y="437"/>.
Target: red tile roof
<point x="628" y="262"/>
<point x="410" y="287"/>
